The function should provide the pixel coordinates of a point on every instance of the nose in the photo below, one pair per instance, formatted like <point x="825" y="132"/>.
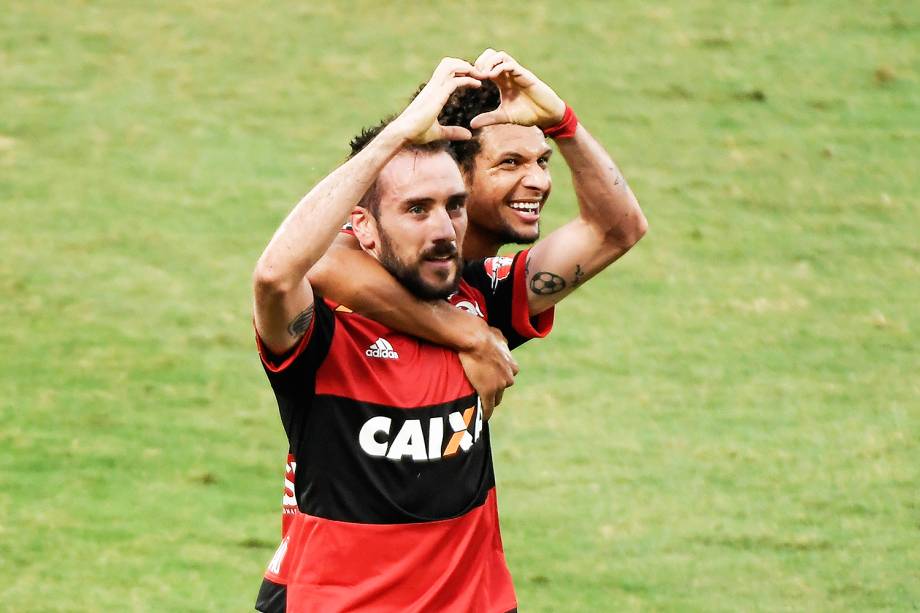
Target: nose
<point x="441" y="226"/>
<point x="536" y="178"/>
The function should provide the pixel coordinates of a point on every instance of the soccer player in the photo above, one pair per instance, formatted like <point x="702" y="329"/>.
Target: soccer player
<point x="395" y="479"/>
<point x="506" y="168"/>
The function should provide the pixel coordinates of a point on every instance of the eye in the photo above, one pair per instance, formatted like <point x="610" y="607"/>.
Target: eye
<point x="512" y="162"/>
<point x="417" y="209"/>
<point x="455" y="206"/>
<point x="543" y="161"/>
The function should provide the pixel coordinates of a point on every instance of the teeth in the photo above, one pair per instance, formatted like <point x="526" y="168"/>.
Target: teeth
<point x="530" y="207"/>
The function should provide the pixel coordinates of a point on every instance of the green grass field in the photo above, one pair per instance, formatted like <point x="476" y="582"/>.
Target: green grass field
<point x="726" y="420"/>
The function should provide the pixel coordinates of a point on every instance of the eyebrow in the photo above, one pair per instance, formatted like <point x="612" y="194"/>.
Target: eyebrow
<point x="418" y="201"/>
<point x="514" y="154"/>
<point x="425" y="201"/>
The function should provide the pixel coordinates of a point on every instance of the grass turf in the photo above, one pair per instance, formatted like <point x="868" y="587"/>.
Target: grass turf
<point x="727" y="419"/>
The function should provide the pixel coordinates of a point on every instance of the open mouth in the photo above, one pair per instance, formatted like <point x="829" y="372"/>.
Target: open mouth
<point x="527" y="210"/>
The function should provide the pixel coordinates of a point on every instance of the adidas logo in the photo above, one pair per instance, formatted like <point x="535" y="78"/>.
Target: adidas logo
<point x="381" y="349"/>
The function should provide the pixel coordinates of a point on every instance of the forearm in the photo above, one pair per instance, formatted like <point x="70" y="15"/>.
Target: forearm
<point x="309" y="229"/>
<point x="351" y="277"/>
<point x="608" y="224"/>
<point x="605" y="200"/>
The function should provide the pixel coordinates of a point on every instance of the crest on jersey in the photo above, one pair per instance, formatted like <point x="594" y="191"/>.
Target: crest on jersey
<point x="498" y="268"/>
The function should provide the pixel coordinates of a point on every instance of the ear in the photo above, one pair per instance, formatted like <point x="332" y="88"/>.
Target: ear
<point x="365" y="227"/>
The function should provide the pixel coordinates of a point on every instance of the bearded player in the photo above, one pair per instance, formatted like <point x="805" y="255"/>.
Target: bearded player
<point x="506" y="169"/>
<point x="395" y="486"/>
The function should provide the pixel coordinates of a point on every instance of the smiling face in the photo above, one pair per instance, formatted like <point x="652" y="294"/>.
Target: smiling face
<point x="508" y="184"/>
<point x="418" y="223"/>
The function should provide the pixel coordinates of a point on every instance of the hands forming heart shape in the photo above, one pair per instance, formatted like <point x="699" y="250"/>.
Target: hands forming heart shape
<point x="525" y="99"/>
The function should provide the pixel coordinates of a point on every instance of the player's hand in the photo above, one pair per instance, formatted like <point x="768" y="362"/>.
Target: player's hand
<point x="491" y="368"/>
<point x="525" y="99"/>
<point x="418" y="123"/>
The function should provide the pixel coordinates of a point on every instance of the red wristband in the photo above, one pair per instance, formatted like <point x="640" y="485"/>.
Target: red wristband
<point x="565" y="128"/>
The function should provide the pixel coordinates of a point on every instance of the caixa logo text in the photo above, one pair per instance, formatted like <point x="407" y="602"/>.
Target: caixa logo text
<point x="379" y="438"/>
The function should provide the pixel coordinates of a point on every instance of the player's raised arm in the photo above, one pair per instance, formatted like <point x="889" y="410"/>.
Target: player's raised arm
<point x="609" y="220"/>
<point x="283" y="296"/>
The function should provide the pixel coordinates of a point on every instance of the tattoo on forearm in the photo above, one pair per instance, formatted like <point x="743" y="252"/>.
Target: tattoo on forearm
<point x="579" y="273"/>
<point x="544" y="283"/>
<point x="300" y="323"/>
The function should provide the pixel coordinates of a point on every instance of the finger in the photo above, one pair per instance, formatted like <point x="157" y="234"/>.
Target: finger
<point x="489" y="119"/>
<point x="488" y="405"/>
<point x="484" y="56"/>
<point x="465" y="71"/>
<point x="506" y="57"/>
<point x="496" y="58"/>
<point x="512" y="363"/>
<point x="461" y="81"/>
<point x="455" y="133"/>
<point x="449" y="66"/>
<point x="503" y="67"/>
<point x="515" y="368"/>
<point x="486" y="60"/>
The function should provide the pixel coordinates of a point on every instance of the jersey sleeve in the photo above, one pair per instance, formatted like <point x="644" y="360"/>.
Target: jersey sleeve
<point x="502" y="281"/>
<point x="290" y="373"/>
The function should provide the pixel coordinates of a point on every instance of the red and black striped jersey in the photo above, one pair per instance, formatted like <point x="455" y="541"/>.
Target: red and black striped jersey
<point x="394" y="483"/>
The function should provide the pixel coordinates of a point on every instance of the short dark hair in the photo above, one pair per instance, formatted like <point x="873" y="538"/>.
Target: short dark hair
<point x="371" y="198"/>
<point x="366" y="135"/>
<point x="460" y="109"/>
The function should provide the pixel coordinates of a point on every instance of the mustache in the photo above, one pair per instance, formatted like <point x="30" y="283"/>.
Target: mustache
<point x="445" y="249"/>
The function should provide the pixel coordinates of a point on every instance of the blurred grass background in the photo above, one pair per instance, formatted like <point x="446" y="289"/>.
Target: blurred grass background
<point x="728" y="419"/>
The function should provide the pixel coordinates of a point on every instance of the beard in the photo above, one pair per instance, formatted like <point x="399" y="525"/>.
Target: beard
<point x="506" y="234"/>
<point x="410" y="275"/>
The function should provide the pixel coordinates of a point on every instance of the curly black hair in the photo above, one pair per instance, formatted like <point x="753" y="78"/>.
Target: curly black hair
<point x="459" y="110"/>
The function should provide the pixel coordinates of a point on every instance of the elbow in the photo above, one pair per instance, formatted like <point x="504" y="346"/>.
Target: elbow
<point x="641" y="227"/>
<point x="267" y="280"/>
<point x="627" y="233"/>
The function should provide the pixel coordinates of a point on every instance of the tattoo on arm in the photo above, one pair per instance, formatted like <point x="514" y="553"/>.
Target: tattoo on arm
<point x="299" y="324"/>
<point x="544" y="283"/>
<point x="579" y="273"/>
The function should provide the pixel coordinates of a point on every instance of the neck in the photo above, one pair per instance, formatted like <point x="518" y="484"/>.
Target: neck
<point x="479" y="244"/>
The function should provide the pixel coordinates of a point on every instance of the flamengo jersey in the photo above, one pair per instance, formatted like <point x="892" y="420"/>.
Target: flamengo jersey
<point x="394" y="482"/>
